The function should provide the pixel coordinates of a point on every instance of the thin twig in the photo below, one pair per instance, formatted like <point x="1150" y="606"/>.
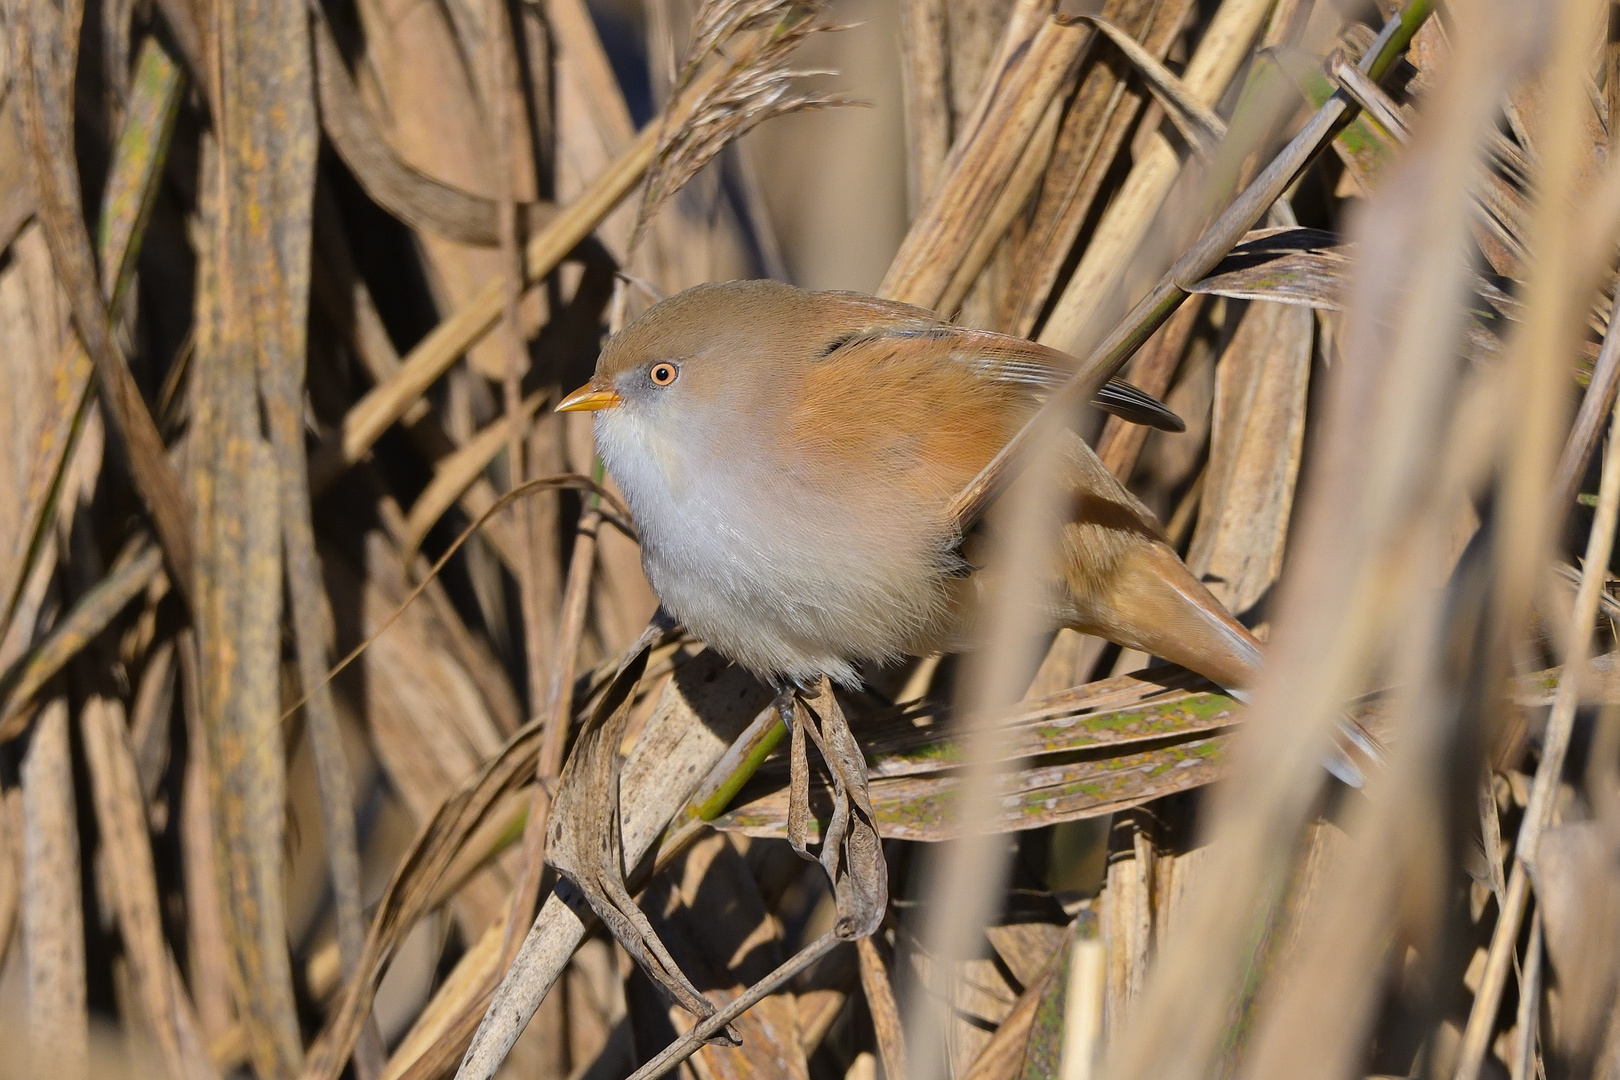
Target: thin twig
<point x="689" y="1044"/>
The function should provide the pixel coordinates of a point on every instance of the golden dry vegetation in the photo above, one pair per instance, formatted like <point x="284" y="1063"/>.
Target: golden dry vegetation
<point x="287" y="291"/>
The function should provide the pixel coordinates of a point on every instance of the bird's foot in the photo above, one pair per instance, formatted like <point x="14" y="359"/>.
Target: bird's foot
<point x="583" y="838"/>
<point x="851" y="853"/>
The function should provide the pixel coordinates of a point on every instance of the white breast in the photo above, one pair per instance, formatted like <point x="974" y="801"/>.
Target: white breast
<point x="787" y="581"/>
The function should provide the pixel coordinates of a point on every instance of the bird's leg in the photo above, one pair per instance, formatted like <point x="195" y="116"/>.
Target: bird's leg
<point x="851" y="852"/>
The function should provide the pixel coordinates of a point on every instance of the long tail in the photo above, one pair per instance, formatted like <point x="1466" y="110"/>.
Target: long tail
<point x="1155" y="604"/>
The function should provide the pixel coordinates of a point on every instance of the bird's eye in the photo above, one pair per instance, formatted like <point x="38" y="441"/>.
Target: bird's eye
<point x="662" y="374"/>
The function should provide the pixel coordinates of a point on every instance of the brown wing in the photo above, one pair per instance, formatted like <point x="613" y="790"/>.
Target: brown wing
<point x="991" y="356"/>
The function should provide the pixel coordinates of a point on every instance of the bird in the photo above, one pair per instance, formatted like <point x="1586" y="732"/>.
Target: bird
<point x="788" y="457"/>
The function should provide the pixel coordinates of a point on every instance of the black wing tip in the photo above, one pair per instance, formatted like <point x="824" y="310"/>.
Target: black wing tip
<point x="1135" y="406"/>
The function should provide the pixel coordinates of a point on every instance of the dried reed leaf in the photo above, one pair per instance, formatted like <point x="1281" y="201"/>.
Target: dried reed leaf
<point x="1119" y="234"/>
<point x="1289" y="266"/>
<point x="1261" y="383"/>
<point x="1143" y="738"/>
<point x="1105" y="106"/>
<point x="52" y="917"/>
<point x="982" y="159"/>
<point x="702" y="710"/>
<point x="121" y="821"/>
<point x="455" y="472"/>
<point x="46" y="66"/>
<point x="132" y="183"/>
<point x="242" y="713"/>
<point x="395" y="184"/>
<point x="92" y="613"/>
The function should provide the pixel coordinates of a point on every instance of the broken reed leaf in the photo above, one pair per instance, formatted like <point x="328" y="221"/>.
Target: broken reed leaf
<point x="417" y="199"/>
<point x="701" y="711"/>
<point x="46" y="63"/>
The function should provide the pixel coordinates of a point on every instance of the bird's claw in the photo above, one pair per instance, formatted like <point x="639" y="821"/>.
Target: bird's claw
<point x="851" y="852"/>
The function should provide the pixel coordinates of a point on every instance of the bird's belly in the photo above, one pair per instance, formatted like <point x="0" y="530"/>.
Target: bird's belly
<point x="802" y="593"/>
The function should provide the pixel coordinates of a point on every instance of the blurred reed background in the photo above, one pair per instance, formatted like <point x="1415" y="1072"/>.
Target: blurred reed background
<point x="287" y="291"/>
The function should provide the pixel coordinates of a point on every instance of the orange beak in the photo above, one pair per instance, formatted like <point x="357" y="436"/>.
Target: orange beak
<point x="594" y="395"/>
